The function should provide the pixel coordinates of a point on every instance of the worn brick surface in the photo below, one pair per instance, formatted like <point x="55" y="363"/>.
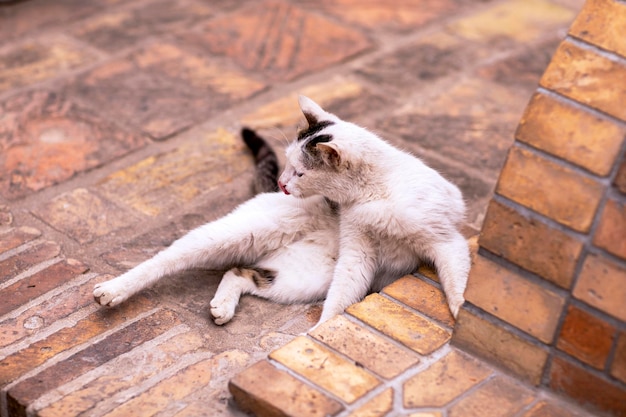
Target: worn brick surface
<point x="118" y="29"/>
<point x="164" y="181"/>
<point x="602" y="23"/>
<point x="17" y="264"/>
<point x="444" y="381"/>
<point x="400" y="324"/>
<point x="497" y="397"/>
<point x="571" y="133"/>
<point x="603" y="87"/>
<point x="498" y="345"/>
<point x="46" y="139"/>
<point x="117" y="343"/>
<point x="268" y="392"/>
<point x="173" y="389"/>
<point x="93" y="325"/>
<point x="326" y="369"/>
<point x="620" y="177"/>
<point x="586" y="337"/>
<point x="549" y="409"/>
<point x="423" y="297"/>
<point x="612" y="228"/>
<point x="358" y="343"/>
<point x="84" y="215"/>
<point x="143" y="364"/>
<point x="39" y="283"/>
<point x="601" y="285"/>
<point x="586" y="388"/>
<point x="40" y="316"/>
<point x="379" y="406"/>
<point x="552" y="254"/>
<point x="521" y="20"/>
<point x="498" y="291"/>
<point x="15" y="237"/>
<point x="34" y="61"/>
<point x="302" y="43"/>
<point x="618" y="368"/>
<point x="163" y="89"/>
<point x="535" y="182"/>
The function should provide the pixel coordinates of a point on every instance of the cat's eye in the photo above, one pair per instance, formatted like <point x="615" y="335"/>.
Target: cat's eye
<point x="299" y="174"/>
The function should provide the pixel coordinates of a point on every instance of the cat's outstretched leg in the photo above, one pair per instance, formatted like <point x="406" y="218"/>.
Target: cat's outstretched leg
<point x="238" y="238"/>
<point x="452" y="260"/>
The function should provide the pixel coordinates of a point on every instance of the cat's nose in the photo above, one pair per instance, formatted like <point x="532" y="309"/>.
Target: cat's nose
<point x="282" y="188"/>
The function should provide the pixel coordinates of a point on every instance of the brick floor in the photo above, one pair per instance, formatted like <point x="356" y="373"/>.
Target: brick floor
<point x="118" y="133"/>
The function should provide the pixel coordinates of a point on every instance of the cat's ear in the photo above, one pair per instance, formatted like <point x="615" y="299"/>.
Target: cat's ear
<point x="312" y="111"/>
<point x="330" y="153"/>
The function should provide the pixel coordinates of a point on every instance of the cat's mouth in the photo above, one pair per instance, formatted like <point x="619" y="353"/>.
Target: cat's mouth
<point x="283" y="188"/>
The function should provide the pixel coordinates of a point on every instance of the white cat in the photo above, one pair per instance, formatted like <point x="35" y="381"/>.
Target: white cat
<point x="355" y="214"/>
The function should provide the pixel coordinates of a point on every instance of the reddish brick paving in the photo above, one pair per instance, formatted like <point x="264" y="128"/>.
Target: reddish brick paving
<point x="118" y="133"/>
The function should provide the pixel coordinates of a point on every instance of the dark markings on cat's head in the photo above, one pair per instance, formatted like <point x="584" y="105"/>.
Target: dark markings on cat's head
<point x="311" y="154"/>
<point x="313" y="128"/>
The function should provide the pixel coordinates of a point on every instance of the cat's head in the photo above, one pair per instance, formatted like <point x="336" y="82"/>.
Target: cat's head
<point x="320" y="160"/>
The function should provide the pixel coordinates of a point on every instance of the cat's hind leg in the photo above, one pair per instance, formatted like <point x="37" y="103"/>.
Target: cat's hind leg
<point x="452" y="261"/>
<point x="235" y="283"/>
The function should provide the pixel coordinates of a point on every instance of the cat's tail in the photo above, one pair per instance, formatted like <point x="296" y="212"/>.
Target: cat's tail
<point x="266" y="178"/>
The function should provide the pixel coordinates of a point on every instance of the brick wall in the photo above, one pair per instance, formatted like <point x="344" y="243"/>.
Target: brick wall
<point x="547" y="291"/>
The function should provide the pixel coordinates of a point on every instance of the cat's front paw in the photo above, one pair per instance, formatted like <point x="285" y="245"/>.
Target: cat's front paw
<point x="222" y="311"/>
<point x="108" y="294"/>
<point x="455" y="305"/>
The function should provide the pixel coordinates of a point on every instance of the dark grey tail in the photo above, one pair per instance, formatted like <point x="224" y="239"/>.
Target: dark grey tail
<point x="266" y="179"/>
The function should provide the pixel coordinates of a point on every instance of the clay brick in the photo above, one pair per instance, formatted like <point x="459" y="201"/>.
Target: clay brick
<point x="498" y="397"/>
<point x="586" y="337"/>
<point x="326" y="369"/>
<point x="31" y="62"/>
<point x="72" y="213"/>
<point x="602" y="23"/>
<point x="48" y="139"/>
<point x="115" y="30"/>
<point x="444" y="381"/>
<point x="15" y="237"/>
<point x="549" y="409"/>
<point x="510" y="297"/>
<point x="601" y="285"/>
<point x="586" y="388"/>
<point x="96" y="323"/>
<point x="589" y="78"/>
<point x="267" y="392"/>
<point x="423" y="297"/>
<point x="39" y="283"/>
<point x="571" y="133"/>
<point x="520" y="20"/>
<point x="305" y="43"/>
<point x="427" y="414"/>
<point x="48" y="312"/>
<point x="537" y="183"/>
<point x="611" y="231"/>
<point x="163" y="182"/>
<point x="6" y="217"/>
<point x="163" y="89"/>
<point x="378" y="406"/>
<point x="128" y="372"/>
<point x="17" y="264"/>
<point x="618" y="367"/>
<point x="620" y="178"/>
<point x="364" y="347"/>
<point x="497" y="345"/>
<point x="400" y="324"/>
<point x="398" y="17"/>
<point x="531" y="244"/>
<point x="172" y="389"/>
<point x="124" y="340"/>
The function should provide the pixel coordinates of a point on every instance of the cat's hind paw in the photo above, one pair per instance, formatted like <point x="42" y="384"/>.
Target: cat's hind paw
<point x="108" y="294"/>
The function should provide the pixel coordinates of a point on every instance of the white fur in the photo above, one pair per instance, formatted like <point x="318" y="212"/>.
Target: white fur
<point x="394" y="211"/>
